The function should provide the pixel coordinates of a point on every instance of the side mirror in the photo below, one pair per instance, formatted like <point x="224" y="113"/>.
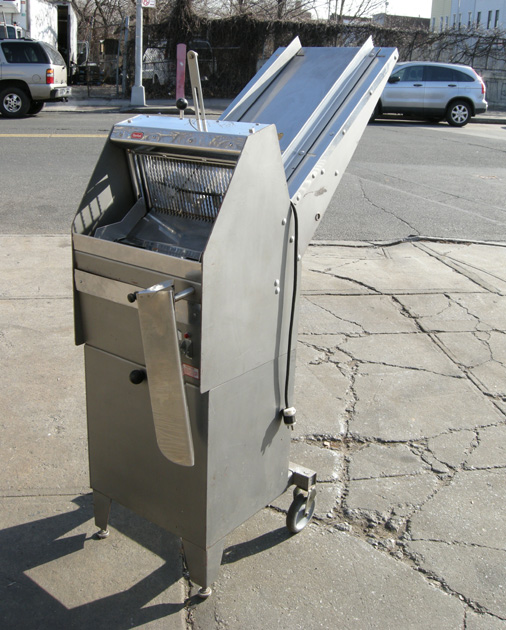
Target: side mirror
<point x="394" y="79"/>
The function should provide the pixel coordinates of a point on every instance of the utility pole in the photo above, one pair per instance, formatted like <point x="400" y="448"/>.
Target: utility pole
<point x="125" y="49"/>
<point x="138" y="98"/>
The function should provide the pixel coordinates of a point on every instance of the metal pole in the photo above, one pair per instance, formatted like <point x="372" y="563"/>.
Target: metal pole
<point x="138" y="98"/>
<point x="125" y="51"/>
<point x="6" y="32"/>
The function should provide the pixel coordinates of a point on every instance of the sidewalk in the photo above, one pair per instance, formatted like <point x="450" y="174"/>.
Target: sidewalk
<point x="80" y="101"/>
<point x="401" y="397"/>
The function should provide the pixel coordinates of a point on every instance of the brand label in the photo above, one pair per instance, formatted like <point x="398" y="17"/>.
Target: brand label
<point x="137" y="135"/>
<point x="191" y="371"/>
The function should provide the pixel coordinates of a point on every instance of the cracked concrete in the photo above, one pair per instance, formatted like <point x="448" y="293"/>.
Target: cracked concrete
<point x="401" y="407"/>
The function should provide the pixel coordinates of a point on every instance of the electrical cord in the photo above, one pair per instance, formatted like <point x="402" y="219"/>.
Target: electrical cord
<point x="290" y="419"/>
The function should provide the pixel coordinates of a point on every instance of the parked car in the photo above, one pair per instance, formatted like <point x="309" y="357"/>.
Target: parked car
<point x="31" y="74"/>
<point x="436" y="91"/>
<point x="155" y="66"/>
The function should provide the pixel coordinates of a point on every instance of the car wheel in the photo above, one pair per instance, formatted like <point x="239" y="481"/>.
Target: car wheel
<point x="35" y="108"/>
<point x="458" y="114"/>
<point x="14" y="102"/>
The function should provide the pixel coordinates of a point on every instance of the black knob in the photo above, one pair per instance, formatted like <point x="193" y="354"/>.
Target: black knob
<point x="131" y="297"/>
<point x="137" y="376"/>
<point x="181" y="104"/>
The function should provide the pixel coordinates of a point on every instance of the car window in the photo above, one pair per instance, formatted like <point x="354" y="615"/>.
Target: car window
<point x="439" y="73"/>
<point x="53" y="54"/>
<point x="462" y="76"/>
<point x="409" y="73"/>
<point x="25" y="52"/>
<point x="11" y="31"/>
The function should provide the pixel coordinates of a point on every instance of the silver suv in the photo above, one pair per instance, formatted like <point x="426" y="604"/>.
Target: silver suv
<point x="436" y="91"/>
<point x="31" y="73"/>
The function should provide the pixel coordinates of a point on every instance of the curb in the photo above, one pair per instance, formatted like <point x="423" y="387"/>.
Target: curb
<point x="102" y="106"/>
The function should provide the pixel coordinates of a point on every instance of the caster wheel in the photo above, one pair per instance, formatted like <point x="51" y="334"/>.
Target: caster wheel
<point x="102" y="533"/>
<point x="300" y="512"/>
<point x="204" y="593"/>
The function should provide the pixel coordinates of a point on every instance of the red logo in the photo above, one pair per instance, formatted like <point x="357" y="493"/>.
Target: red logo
<point x="137" y="135"/>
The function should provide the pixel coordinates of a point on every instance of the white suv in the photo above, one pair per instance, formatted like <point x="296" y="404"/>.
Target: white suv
<point x="436" y="91"/>
<point x="31" y="73"/>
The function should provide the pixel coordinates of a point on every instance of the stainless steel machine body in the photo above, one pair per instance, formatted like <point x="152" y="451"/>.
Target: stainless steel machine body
<point x="186" y="253"/>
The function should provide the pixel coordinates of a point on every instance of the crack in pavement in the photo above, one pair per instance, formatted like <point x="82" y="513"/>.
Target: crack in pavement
<point x="382" y="209"/>
<point x="346" y="278"/>
<point x="450" y="196"/>
<point x="457" y="267"/>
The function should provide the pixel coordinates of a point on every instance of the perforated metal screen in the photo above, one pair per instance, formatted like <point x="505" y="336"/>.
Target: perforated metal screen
<point x="184" y="188"/>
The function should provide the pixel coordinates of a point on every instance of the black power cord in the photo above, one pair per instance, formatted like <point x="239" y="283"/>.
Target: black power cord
<point x="289" y="412"/>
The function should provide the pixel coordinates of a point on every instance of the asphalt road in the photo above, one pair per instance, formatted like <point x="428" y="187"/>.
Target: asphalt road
<point x="421" y="179"/>
<point x="405" y="178"/>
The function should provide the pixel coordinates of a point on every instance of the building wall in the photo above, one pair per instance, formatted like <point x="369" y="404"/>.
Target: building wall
<point x="400" y="21"/>
<point x="441" y="10"/>
<point x="43" y="21"/>
<point x="9" y="6"/>
<point x="486" y="14"/>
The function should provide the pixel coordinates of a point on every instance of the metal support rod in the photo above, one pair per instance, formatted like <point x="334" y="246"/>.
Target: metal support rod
<point x="184" y="294"/>
<point x="198" y="99"/>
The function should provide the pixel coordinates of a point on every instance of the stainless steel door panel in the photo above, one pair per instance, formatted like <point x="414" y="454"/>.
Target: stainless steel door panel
<point x="187" y="310"/>
<point x="110" y="326"/>
<point x="108" y="319"/>
<point x="248" y="447"/>
<point x="125" y="461"/>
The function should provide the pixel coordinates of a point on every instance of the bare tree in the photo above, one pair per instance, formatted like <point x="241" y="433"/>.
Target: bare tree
<point x="353" y="10"/>
<point x="264" y="9"/>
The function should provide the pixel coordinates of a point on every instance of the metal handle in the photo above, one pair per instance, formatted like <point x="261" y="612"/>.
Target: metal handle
<point x="171" y="418"/>
<point x="198" y="99"/>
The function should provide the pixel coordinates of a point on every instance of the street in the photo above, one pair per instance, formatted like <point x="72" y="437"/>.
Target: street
<point x="410" y="178"/>
<point x="405" y="178"/>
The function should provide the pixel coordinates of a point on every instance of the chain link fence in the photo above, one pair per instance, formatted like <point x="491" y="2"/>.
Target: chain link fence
<point x="231" y="50"/>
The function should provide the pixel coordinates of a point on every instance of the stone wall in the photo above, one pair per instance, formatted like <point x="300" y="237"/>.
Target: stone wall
<point x="495" y="80"/>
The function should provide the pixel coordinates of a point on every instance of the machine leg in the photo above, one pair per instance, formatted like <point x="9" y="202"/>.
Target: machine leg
<point x="203" y="564"/>
<point x="101" y="509"/>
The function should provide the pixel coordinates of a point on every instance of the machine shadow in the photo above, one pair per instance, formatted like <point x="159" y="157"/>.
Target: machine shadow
<point x="262" y="543"/>
<point x="23" y="548"/>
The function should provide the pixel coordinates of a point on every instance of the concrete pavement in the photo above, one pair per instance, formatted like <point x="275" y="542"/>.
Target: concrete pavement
<point x="401" y="397"/>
